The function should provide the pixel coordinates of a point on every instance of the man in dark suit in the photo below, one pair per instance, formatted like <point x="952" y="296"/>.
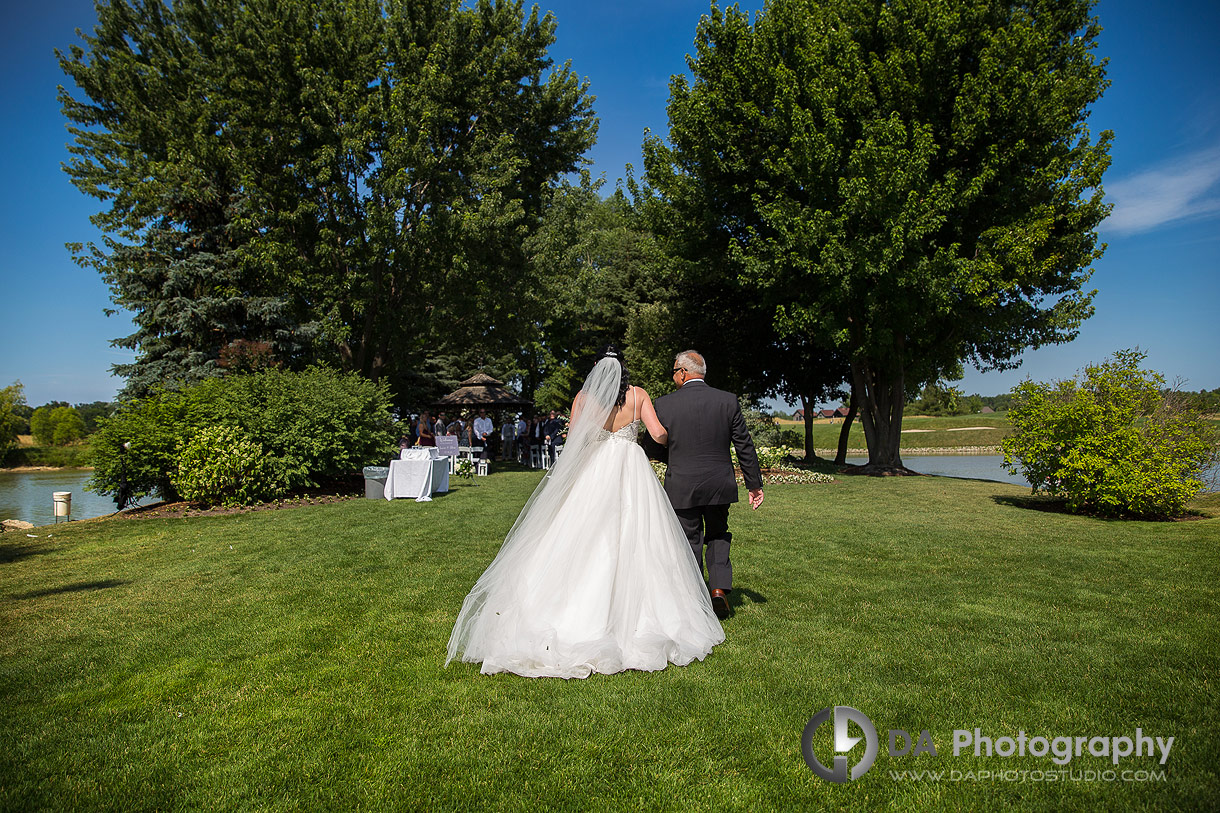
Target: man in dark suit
<point x="552" y="427"/>
<point x="702" y="422"/>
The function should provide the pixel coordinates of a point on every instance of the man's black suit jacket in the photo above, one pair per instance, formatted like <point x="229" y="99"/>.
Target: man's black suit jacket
<point x="552" y="427"/>
<point x="702" y="422"/>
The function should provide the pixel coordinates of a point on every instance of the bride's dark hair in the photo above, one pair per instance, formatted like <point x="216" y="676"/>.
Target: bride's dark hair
<point x="612" y="352"/>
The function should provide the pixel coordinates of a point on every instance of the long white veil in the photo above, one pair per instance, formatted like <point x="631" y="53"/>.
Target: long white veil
<point x="502" y="579"/>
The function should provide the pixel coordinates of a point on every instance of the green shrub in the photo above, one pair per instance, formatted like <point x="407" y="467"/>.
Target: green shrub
<point x="134" y="452"/>
<point x="770" y="457"/>
<point x="1115" y="443"/>
<point x="315" y="424"/>
<point x="792" y="437"/>
<point x="763" y="429"/>
<point x="312" y="426"/>
<point x="221" y="466"/>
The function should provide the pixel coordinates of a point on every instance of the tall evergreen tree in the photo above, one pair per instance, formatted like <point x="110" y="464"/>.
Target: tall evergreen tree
<point x="349" y="180"/>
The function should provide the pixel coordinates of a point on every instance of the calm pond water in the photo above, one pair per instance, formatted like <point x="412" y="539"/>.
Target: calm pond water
<point x="27" y="495"/>
<point x="974" y="467"/>
<point x="969" y="466"/>
<point x="982" y="467"/>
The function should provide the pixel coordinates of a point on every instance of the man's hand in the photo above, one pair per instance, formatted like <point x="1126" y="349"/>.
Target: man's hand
<point x="756" y="498"/>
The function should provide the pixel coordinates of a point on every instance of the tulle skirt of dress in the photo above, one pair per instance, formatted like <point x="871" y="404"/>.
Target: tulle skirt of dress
<point x="605" y="582"/>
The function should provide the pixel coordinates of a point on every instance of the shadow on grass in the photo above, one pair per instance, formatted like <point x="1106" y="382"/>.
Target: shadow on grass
<point x="740" y="595"/>
<point x="971" y="479"/>
<point x="1058" y="505"/>
<point x="818" y="464"/>
<point x="81" y="587"/>
<point x="16" y="551"/>
<point x="1053" y="505"/>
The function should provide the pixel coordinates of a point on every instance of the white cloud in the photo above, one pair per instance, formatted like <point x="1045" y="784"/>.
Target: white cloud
<point x="1181" y="188"/>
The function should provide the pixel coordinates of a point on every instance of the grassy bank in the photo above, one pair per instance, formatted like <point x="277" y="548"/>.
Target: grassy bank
<point x="918" y="432"/>
<point x="293" y="659"/>
<point x="26" y="455"/>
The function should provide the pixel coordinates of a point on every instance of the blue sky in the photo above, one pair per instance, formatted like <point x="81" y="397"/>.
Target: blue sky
<point x="1159" y="281"/>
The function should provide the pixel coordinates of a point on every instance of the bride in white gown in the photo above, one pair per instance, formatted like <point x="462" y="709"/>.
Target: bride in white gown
<point x="596" y="575"/>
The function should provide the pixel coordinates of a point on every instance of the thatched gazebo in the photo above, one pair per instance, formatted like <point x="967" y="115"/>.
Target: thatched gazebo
<point x="481" y="390"/>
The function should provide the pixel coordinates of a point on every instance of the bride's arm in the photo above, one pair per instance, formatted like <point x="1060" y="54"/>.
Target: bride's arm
<point x="577" y="402"/>
<point x="649" y="415"/>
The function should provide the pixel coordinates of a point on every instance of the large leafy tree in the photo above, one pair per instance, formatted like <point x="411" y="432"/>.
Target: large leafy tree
<point x="12" y="398"/>
<point x="597" y="266"/>
<point x="911" y="183"/>
<point x="708" y="308"/>
<point x="348" y="180"/>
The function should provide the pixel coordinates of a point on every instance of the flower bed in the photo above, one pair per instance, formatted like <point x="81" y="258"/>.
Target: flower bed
<point x="791" y="475"/>
<point x="775" y="465"/>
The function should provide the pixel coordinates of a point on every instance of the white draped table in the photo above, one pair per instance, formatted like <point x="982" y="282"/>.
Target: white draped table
<point x="418" y="475"/>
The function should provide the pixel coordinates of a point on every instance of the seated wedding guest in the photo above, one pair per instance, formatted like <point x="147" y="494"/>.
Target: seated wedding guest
<point x="426" y="436"/>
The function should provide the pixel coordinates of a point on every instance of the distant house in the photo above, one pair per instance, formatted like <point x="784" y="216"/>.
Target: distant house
<point x="826" y="413"/>
<point x="986" y="410"/>
<point x="842" y="412"/>
<point x="799" y="415"/>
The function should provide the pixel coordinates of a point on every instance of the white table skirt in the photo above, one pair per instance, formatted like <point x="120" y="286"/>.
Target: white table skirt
<point x="417" y="479"/>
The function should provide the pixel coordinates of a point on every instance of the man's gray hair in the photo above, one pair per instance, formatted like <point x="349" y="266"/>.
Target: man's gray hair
<point x="691" y="361"/>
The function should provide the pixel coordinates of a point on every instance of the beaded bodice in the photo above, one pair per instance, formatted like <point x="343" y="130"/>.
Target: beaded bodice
<point x="628" y="433"/>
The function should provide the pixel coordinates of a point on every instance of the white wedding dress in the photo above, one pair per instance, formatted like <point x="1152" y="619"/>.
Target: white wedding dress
<point x="596" y="575"/>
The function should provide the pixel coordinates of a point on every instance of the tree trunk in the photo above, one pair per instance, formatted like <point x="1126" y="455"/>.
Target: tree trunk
<point x="881" y="395"/>
<point x="807" y="413"/>
<point x="845" y="431"/>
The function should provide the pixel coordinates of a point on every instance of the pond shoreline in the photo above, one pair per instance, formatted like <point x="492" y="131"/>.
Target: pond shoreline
<point x="919" y="451"/>
<point x="28" y="494"/>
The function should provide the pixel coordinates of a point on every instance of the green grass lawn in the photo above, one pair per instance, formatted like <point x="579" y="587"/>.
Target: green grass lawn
<point x="293" y="660"/>
<point x="928" y="432"/>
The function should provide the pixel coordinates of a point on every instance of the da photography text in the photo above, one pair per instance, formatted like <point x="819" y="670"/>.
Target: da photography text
<point x="1061" y="750"/>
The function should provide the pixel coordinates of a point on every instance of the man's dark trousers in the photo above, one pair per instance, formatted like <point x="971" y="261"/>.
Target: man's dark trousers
<point x="708" y="526"/>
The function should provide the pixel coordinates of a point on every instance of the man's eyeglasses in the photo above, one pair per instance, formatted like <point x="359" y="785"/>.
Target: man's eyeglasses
<point x="679" y="369"/>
